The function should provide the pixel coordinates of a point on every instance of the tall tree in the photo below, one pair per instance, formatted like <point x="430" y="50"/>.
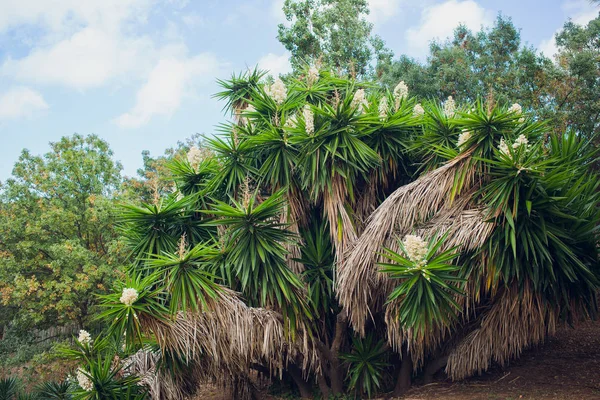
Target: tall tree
<point x="470" y="65"/>
<point x="58" y="246"/>
<point x="334" y="32"/>
<point x="577" y="89"/>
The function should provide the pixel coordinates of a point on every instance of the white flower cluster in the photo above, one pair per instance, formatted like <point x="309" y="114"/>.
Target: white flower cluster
<point x="309" y="120"/>
<point x="247" y="110"/>
<point x="503" y="148"/>
<point x="517" y="109"/>
<point x="449" y="107"/>
<point x="416" y="249"/>
<point x="400" y="92"/>
<point x="278" y="91"/>
<point x="84" y="381"/>
<point x="359" y="100"/>
<point x="463" y="138"/>
<point x="383" y="107"/>
<point x="84" y="337"/>
<point x="418" y="110"/>
<point x="129" y="296"/>
<point x="194" y="156"/>
<point x="291" y="121"/>
<point x="520" y="141"/>
<point x="313" y="75"/>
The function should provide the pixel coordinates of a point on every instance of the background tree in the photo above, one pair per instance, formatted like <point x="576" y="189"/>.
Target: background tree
<point x="59" y="246"/>
<point x="576" y="91"/>
<point x="471" y="65"/>
<point x="334" y="32"/>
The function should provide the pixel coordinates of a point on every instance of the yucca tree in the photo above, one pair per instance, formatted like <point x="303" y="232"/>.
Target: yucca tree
<point x="449" y="235"/>
<point x="503" y="200"/>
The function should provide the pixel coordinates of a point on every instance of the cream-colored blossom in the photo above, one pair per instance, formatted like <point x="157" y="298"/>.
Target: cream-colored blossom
<point x="84" y="381"/>
<point x="129" y="296"/>
<point x="383" y="107"/>
<point x="309" y="119"/>
<point x="400" y="92"/>
<point x="503" y="147"/>
<point x="291" y="121"/>
<point x="248" y="110"/>
<point x="418" y="110"/>
<point x="359" y="100"/>
<point x="463" y="138"/>
<point x="313" y="75"/>
<point x="449" y="107"/>
<point x="278" y="91"/>
<point x="416" y="249"/>
<point x="194" y="156"/>
<point x="520" y="141"/>
<point x="517" y="109"/>
<point x="84" y="337"/>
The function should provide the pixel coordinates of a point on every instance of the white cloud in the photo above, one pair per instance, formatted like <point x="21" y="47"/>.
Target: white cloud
<point x="95" y="43"/>
<point x="275" y="64"/>
<point x="64" y="15"/>
<point x="89" y="58"/>
<point x="168" y="83"/>
<point x="82" y="44"/>
<point x="20" y="102"/>
<point x="440" y="20"/>
<point x="580" y="12"/>
<point x="382" y="10"/>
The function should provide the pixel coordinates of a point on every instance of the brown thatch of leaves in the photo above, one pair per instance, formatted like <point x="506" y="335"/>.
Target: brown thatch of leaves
<point x="297" y="212"/>
<point x="160" y="383"/>
<point x="359" y="283"/>
<point x="516" y="320"/>
<point x="341" y="226"/>
<point x="227" y="337"/>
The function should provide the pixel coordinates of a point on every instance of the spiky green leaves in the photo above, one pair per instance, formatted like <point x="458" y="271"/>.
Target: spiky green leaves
<point x="127" y="318"/>
<point x="255" y="247"/>
<point x="544" y="202"/>
<point x="367" y="363"/>
<point x="429" y="286"/>
<point x="185" y="278"/>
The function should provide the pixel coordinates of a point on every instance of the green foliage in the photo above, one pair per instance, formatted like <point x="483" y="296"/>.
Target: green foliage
<point x="58" y="243"/>
<point x="108" y="382"/>
<point x="545" y="203"/>
<point x="185" y="278"/>
<point x="257" y="256"/>
<point x="366" y="364"/>
<point x="319" y="261"/>
<point x="335" y="33"/>
<point x="577" y="87"/>
<point x="126" y="319"/>
<point x="54" y="390"/>
<point x="428" y="289"/>
<point x="9" y="388"/>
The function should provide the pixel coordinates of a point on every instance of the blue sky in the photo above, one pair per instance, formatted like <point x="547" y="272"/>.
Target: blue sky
<point x="140" y="73"/>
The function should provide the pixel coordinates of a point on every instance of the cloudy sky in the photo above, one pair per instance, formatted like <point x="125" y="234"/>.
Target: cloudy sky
<point x="140" y="73"/>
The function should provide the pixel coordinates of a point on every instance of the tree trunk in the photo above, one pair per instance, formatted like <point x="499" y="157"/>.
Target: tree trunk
<point x="433" y="367"/>
<point x="323" y="387"/>
<point x="303" y="386"/>
<point x="336" y="373"/>
<point x="403" y="381"/>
